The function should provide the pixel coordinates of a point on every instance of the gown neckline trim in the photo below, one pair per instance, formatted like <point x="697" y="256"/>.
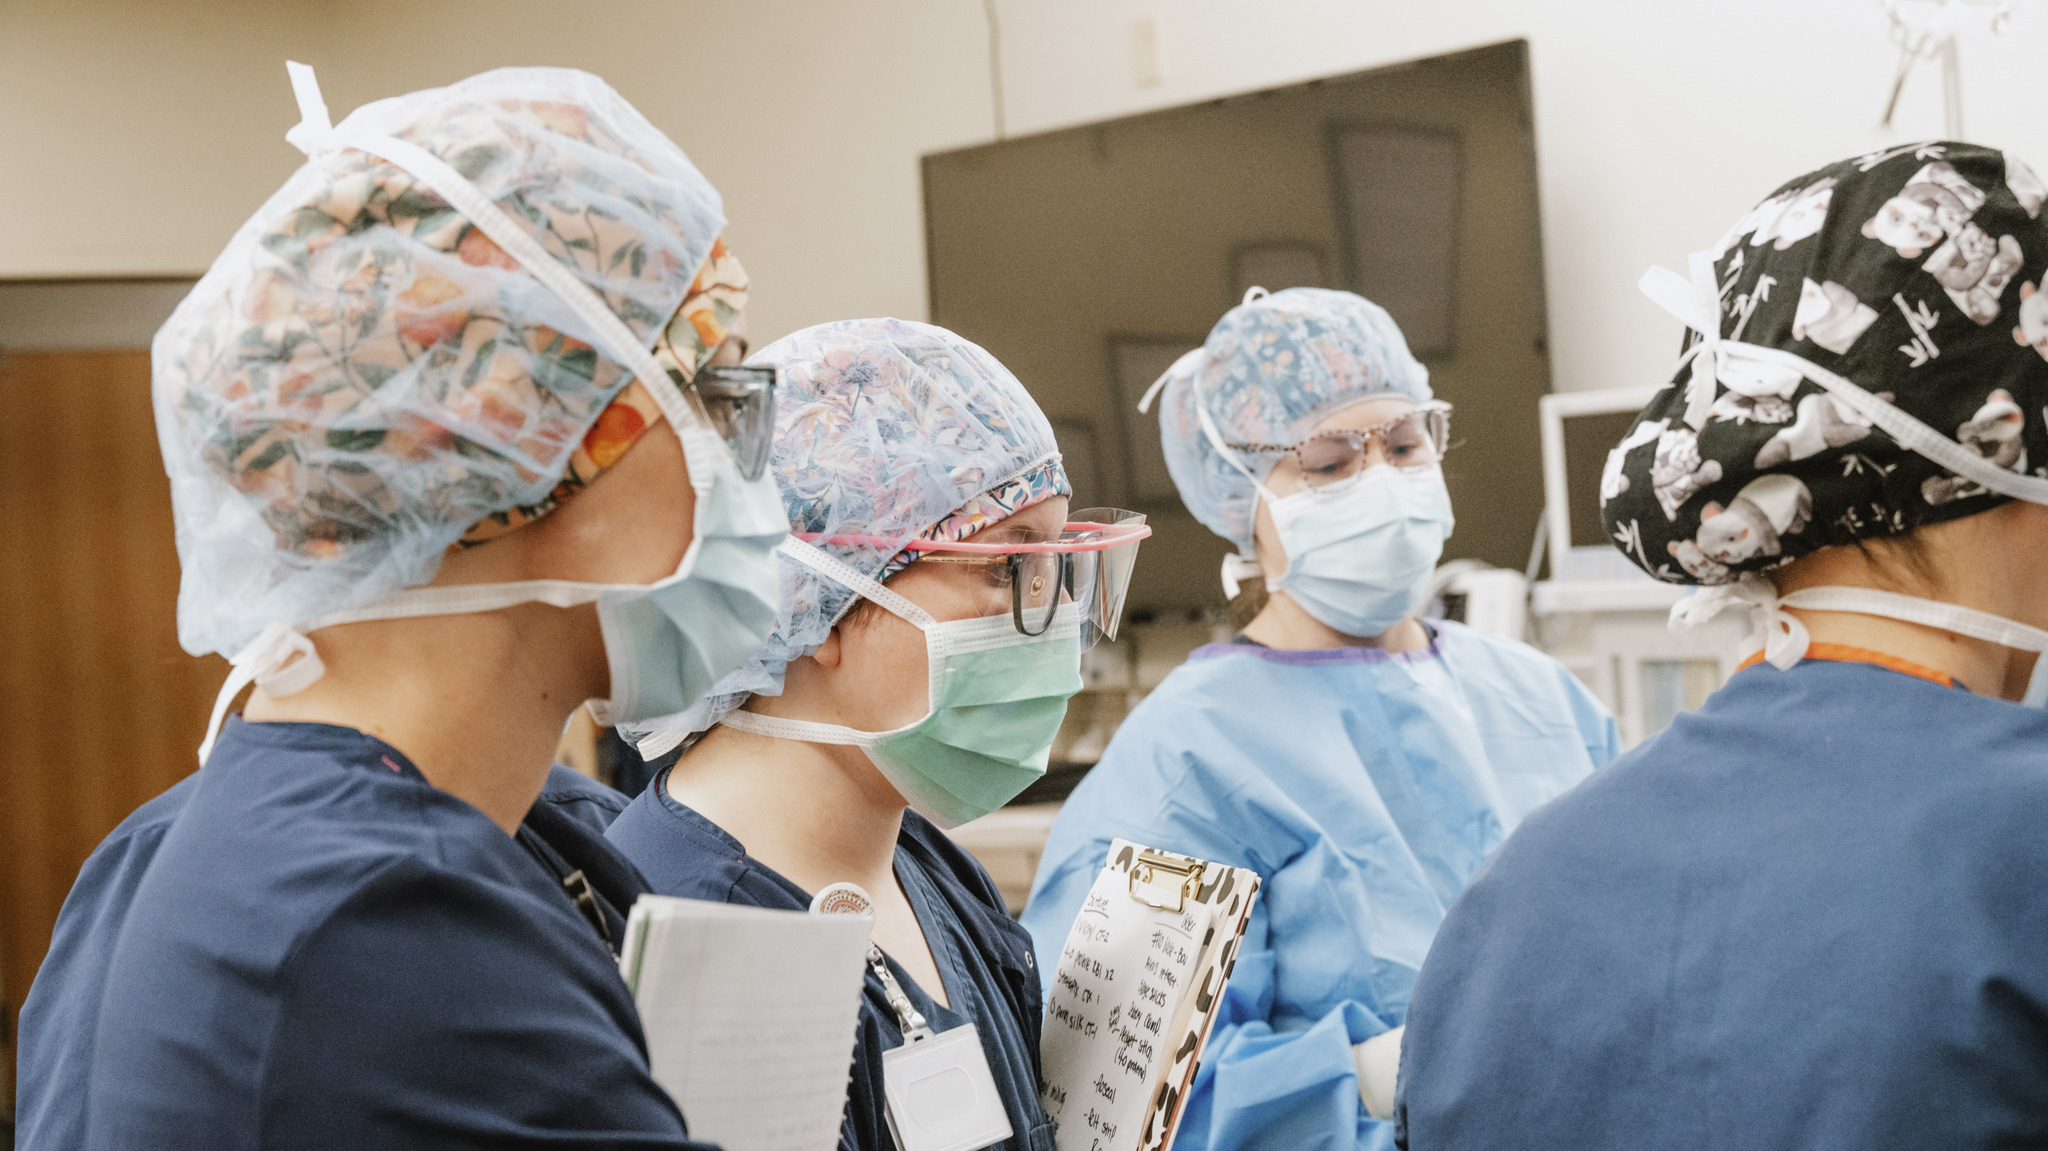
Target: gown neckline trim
<point x="1847" y="653"/>
<point x="1325" y="656"/>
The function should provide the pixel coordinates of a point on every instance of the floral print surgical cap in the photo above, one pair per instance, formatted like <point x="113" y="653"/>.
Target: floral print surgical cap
<point x="885" y="431"/>
<point x="363" y="378"/>
<point x="1916" y="273"/>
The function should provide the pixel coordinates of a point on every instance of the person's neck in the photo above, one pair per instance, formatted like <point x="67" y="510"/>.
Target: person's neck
<point x="467" y="698"/>
<point x="1283" y="624"/>
<point x="1991" y="583"/>
<point x="816" y="813"/>
<point x="1984" y="668"/>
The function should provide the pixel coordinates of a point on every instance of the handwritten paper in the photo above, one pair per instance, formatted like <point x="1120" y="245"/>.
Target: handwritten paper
<point x="1118" y="998"/>
<point x="750" y="1015"/>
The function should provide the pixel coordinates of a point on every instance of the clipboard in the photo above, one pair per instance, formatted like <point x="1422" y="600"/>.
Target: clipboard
<point x="1139" y="980"/>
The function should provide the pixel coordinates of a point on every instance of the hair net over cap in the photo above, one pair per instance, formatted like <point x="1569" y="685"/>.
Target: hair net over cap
<point x="1915" y="273"/>
<point x="362" y="375"/>
<point x="890" y="429"/>
<point x="1271" y="369"/>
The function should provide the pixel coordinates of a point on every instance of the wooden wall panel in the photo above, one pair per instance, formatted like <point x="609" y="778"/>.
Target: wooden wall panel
<point x="100" y="710"/>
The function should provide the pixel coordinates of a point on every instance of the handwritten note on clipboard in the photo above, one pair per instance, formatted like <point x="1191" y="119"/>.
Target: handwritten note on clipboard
<point x="1139" y="980"/>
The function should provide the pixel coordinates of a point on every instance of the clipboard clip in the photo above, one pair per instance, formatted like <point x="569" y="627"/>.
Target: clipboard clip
<point x="1162" y="881"/>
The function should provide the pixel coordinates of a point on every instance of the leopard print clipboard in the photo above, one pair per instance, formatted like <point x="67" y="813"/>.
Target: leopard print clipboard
<point x="1139" y="981"/>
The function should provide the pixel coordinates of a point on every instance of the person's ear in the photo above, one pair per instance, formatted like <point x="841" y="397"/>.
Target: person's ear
<point x="831" y="652"/>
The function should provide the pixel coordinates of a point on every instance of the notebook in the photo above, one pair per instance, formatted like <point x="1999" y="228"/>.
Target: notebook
<point x="1139" y="979"/>
<point x="750" y="1015"/>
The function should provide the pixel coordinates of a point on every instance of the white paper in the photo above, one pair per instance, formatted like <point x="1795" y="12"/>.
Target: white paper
<point x="750" y="1015"/>
<point x="1123" y="976"/>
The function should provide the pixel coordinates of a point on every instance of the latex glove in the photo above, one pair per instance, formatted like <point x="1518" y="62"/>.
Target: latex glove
<point x="1378" y="1059"/>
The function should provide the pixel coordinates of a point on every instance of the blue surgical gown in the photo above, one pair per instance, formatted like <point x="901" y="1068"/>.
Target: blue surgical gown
<point x="325" y="948"/>
<point x="1365" y="788"/>
<point x="55" y="1033"/>
<point x="984" y="958"/>
<point x="1811" y="914"/>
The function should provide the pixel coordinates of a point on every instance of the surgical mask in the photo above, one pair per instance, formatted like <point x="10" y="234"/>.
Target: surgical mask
<point x="997" y="698"/>
<point x="666" y="643"/>
<point x="1360" y="554"/>
<point x="1696" y="301"/>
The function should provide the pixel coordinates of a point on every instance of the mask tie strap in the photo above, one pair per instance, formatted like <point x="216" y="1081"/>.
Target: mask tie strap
<point x="1239" y="566"/>
<point x="1697" y="304"/>
<point x="280" y="660"/>
<point x="283" y="661"/>
<point x="1785" y="639"/>
<point x="1236" y="569"/>
<point x="1184" y="366"/>
<point x="801" y="730"/>
<point x="845" y="575"/>
<point x="1948" y="617"/>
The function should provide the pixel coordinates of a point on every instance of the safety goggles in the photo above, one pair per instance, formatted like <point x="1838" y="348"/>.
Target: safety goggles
<point x="1031" y="575"/>
<point x="1416" y="439"/>
<point x="738" y="400"/>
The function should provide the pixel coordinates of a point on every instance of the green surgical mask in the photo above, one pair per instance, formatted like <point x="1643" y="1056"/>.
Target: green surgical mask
<point x="997" y="699"/>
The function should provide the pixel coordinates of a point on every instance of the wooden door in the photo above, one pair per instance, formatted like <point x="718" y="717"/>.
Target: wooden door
<point x="99" y="708"/>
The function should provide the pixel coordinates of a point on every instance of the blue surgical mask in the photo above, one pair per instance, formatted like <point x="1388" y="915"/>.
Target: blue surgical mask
<point x="1360" y="553"/>
<point x="669" y="642"/>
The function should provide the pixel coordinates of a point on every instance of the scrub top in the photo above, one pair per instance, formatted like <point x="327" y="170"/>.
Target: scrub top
<point x="324" y="942"/>
<point x="983" y="956"/>
<point x="1813" y="914"/>
<point x="55" y="1033"/>
<point x="1365" y="788"/>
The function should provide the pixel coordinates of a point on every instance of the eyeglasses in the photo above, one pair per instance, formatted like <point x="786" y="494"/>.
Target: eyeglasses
<point x="739" y="402"/>
<point x="1416" y="439"/>
<point x="1086" y="565"/>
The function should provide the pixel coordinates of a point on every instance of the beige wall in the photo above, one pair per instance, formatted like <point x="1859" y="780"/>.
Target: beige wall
<point x="138" y="134"/>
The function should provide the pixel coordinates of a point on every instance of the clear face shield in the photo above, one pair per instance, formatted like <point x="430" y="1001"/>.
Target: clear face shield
<point x="1031" y="576"/>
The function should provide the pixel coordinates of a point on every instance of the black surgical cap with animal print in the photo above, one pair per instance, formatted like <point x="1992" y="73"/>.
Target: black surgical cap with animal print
<point x="1918" y="274"/>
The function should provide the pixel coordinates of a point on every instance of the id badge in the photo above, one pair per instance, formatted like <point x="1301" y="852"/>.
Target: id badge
<point x="940" y="1094"/>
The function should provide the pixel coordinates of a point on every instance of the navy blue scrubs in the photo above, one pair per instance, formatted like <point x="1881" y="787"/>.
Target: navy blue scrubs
<point x="983" y="955"/>
<point x="326" y="949"/>
<point x="55" y="1036"/>
<point x="1812" y="914"/>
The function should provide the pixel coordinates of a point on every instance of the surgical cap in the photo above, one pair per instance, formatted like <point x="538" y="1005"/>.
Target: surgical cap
<point x="885" y="431"/>
<point x="1917" y="274"/>
<point x="1271" y="369"/>
<point x="363" y="376"/>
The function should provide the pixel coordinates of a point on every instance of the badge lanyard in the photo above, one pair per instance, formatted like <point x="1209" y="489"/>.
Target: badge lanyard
<point x="908" y="1018"/>
<point x="936" y="1086"/>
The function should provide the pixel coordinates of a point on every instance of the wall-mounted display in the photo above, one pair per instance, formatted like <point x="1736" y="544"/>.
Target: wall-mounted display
<point x="1399" y="191"/>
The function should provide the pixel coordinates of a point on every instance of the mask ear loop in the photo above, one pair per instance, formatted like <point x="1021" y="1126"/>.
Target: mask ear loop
<point x="846" y="575"/>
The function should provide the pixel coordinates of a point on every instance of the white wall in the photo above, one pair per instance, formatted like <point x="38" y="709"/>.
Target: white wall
<point x="137" y="134"/>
